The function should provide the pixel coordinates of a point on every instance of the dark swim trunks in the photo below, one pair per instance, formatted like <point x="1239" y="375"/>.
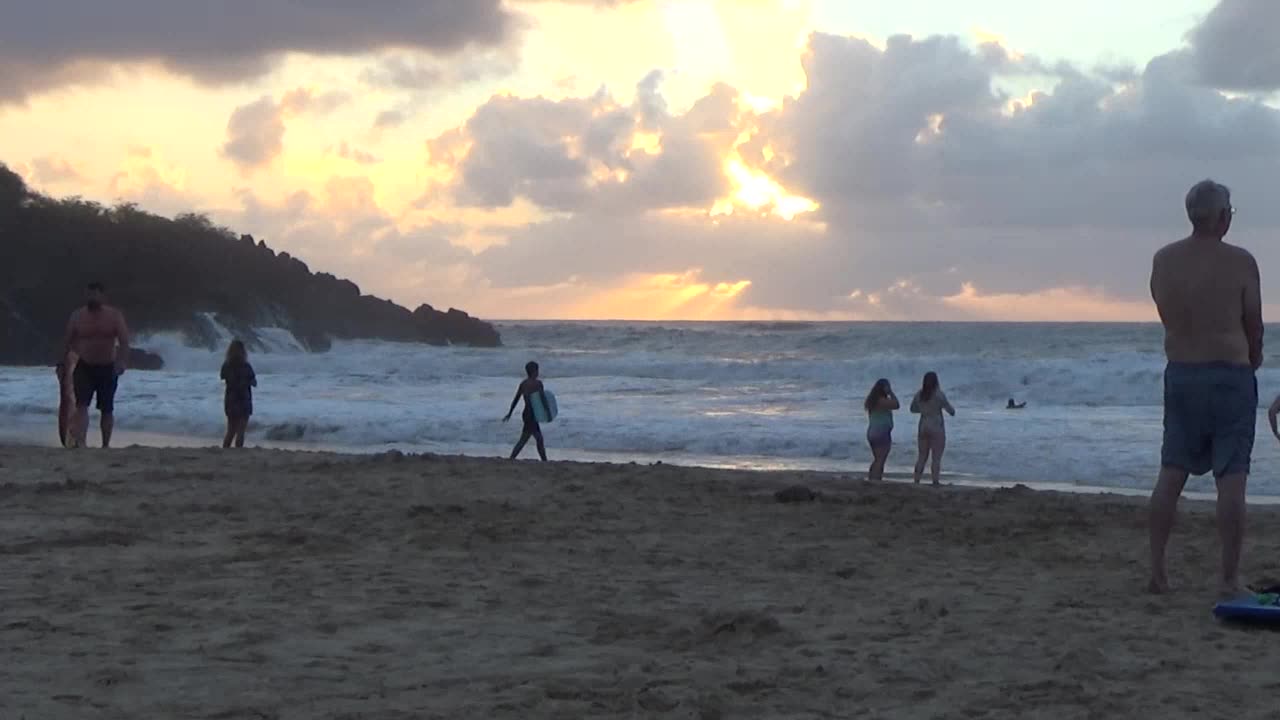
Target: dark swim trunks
<point x="1210" y="416"/>
<point x="100" y="380"/>
<point x="531" y="426"/>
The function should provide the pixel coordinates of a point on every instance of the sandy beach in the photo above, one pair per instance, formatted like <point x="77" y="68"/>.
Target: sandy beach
<point x="144" y="583"/>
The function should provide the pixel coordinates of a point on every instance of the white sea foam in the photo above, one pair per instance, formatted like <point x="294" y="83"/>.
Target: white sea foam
<point x="780" y="394"/>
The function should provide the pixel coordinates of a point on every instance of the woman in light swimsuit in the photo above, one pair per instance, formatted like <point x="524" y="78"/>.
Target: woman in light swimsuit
<point x="929" y="404"/>
<point x="880" y="404"/>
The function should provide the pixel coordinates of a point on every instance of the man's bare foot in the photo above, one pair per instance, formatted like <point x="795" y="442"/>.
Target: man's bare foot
<point x="1158" y="585"/>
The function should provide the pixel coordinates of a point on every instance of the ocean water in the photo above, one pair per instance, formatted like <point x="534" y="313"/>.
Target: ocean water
<point x="751" y="395"/>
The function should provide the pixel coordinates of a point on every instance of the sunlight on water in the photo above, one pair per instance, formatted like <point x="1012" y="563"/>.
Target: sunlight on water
<point x="758" y="395"/>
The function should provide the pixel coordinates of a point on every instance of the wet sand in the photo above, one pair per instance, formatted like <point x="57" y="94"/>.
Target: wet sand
<point x="192" y="583"/>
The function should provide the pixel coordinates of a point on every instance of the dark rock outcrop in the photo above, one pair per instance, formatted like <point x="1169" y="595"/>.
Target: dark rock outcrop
<point x="438" y="327"/>
<point x="140" y="359"/>
<point x="181" y="274"/>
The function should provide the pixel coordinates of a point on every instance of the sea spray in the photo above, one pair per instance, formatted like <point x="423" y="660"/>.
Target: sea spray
<point x="781" y="394"/>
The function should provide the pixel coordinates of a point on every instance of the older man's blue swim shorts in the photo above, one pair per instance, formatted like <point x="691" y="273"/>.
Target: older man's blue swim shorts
<point x="1210" y="415"/>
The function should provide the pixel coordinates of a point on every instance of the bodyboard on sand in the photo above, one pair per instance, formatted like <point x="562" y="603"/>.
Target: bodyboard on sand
<point x="1259" y="609"/>
<point x="544" y="409"/>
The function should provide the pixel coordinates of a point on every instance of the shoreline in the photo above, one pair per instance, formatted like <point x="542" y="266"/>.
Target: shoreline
<point x="149" y="582"/>
<point x="29" y="438"/>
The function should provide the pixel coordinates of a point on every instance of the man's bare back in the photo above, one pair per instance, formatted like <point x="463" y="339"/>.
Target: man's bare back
<point x="1208" y="295"/>
<point x="94" y="335"/>
<point x="1210" y="302"/>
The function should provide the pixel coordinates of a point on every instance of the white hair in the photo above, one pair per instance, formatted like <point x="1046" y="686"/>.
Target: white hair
<point x="1205" y="200"/>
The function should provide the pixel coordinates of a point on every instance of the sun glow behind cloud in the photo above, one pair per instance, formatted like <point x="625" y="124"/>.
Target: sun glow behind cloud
<point x="931" y="130"/>
<point x="753" y="189"/>
<point x="662" y="296"/>
<point x="756" y="191"/>
<point x="986" y="37"/>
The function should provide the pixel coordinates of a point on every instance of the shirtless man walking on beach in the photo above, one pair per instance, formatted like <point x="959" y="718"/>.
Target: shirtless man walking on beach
<point x="98" y="336"/>
<point x="1208" y="296"/>
<point x="530" y="386"/>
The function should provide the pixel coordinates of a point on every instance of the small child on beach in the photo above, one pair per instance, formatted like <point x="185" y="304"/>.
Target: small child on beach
<point x="237" y="373"/>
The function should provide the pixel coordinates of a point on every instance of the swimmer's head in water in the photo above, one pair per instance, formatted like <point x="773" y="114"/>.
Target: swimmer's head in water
<point x="531" y="369"/>
<point x="95" y="295"/>
<point x="1209" y="208"/>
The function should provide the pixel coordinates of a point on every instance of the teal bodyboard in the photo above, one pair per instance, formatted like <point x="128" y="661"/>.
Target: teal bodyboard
<point x="544" y="406"/>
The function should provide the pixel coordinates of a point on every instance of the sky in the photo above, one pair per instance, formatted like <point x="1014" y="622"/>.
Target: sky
<point x="671" y="159"/>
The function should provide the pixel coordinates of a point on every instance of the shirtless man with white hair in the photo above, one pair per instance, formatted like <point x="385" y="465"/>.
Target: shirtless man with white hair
<point x="1208" y="296"/>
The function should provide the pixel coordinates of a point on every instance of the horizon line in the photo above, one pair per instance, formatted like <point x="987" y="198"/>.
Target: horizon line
<point x="824" y="322"/>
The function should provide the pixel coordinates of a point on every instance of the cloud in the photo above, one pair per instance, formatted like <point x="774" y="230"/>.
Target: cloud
<point x="56" y="43"/>
<point x="417" y="72"/>
<point x="923" y="165"/>
<point x="51" y="43"/>
<point x="356" y="155"/>
<point x="21" y="78"/>
<point x="1079" y="303"/>
<point x="929" y="181"/>
<point x="566" y="155"/>
<point x="900" y="135"/>
<point x="602" y="246"/>
<point x="925" y="189"/>
<point x="655" y="296"/>
<point x="50" y="170"/>
<point x="255" y="131"/>
<point x="149" y="180"/>
<point x="389" y="119"/>
<point x="344" y="230"/>
<point x="430" y="244"/>
<point x="1234" y="47"/>
<point x="304" y="100"/>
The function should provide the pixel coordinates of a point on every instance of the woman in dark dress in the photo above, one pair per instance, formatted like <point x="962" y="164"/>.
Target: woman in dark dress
<point x="237" y="373"/>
